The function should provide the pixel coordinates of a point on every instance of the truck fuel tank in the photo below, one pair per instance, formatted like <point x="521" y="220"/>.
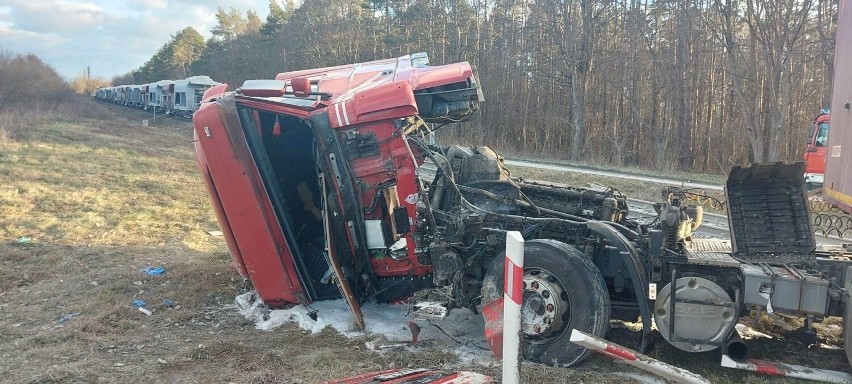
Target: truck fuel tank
<point x="697" y="315"/>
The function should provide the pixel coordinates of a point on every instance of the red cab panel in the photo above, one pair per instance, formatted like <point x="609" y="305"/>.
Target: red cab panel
<point x="214" y="92"/>
<point x="220" y="212"/>
<point x="246" y="214"/>
<point x="416" y="375"/>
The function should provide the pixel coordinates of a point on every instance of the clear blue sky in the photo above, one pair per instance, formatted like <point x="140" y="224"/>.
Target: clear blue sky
<point x="112" y="37"/>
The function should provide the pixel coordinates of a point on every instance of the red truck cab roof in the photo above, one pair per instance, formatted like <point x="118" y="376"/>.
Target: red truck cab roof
<point x="370" y="91"/>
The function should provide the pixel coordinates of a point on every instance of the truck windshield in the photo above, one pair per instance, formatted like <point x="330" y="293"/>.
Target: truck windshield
<point x="822" y="135"/>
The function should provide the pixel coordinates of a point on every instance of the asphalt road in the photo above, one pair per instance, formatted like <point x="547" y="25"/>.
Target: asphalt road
<point x="592" y="171"/>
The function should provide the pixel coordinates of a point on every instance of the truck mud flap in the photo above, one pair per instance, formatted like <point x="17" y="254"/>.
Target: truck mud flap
<point x="492" y="313"/>
<point x="634" y="267"/>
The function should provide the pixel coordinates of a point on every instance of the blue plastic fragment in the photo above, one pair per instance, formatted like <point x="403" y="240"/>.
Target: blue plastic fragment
<point x="154" y="271"/>
<point x="25" y="240"/>
<point x="68" y="317"/>
<point x="138" y="303"/>
<point x="168" y="303"/>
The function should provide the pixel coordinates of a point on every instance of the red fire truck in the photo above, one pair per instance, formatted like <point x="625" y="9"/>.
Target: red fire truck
<point x="815" y="152"/>
<point x="838" y="183"/>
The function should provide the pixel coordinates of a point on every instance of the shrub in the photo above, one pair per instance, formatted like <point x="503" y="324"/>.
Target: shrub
<point x="25" y="79"/>
<point x="31" y="90"/>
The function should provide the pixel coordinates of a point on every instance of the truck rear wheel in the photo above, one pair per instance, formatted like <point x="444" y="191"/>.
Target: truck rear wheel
<point x="563" y="290"/>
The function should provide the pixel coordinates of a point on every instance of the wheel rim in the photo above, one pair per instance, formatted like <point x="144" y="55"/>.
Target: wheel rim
<point x="546" y="306"/>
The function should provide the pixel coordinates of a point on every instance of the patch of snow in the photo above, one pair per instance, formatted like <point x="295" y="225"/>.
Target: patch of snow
<point x="462" y="331"/>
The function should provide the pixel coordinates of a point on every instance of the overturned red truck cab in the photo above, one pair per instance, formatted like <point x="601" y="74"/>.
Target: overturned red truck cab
<point x="263" y="146"/>
<point x="317" y="183"/>
<point x="327" y="184"/>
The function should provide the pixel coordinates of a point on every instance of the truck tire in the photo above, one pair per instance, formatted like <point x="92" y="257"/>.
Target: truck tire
<point x="582" y="301"/>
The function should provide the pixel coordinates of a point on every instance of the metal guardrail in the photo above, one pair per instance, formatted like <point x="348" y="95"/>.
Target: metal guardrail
<point x="828" y="220"/>
<point x="829" y="231"/>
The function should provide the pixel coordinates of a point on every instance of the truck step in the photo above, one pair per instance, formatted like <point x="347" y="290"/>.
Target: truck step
<point x="710" y="252"/>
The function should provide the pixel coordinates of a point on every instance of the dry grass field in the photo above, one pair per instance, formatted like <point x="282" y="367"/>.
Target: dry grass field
<point x="87" y="203"/>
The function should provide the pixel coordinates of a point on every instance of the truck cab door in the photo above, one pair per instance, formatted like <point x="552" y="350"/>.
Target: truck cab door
<point x="244" y="210"/>
<point x="346" y="210"/>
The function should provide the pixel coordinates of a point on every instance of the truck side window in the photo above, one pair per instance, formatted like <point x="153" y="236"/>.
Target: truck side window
<point x="822" y="135"/>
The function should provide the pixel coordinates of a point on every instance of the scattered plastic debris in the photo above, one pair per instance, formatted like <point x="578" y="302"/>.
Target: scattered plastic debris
<point x="381" y="342"/>
<point x="461" y="332"/>
<point x="68" y="317"/>
<point x="145" y="311"/>
<point x="772" y="368"/>
<point x="644" y="379"/>
<point x="138" y="303"/>
<point x="416" y="375"/>
<point x="168" y="303"/>
<point x="154" y="271"/>
<point x="638" y="360"/>
<point x="748" y="333"/>
<point x="215" y="233"/>
<point x="25" y="240"/>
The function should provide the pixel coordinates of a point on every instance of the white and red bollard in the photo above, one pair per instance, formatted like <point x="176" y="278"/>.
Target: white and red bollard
<point x="787" y="370"/>
<point x="513" y="292"/>
<point x="636" y="359"/>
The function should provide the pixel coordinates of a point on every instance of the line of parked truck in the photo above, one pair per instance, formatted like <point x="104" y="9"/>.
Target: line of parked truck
<point x="174" y="97"/>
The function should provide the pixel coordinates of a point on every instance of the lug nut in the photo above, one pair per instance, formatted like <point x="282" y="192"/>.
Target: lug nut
<point x="535" y="285"/>
<point x="550" y="307"/>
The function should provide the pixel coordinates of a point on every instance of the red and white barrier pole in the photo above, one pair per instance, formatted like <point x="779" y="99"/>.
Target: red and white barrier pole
<point x="513" y="290"/>
<point x="636" y="359"/>
<point x="787" y="370"/>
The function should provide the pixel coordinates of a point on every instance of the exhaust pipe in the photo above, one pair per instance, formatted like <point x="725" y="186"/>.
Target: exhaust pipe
<point x="735" y="347"/>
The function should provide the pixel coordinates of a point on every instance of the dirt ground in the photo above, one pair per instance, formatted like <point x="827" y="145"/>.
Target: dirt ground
<point x="87" y="204"/>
